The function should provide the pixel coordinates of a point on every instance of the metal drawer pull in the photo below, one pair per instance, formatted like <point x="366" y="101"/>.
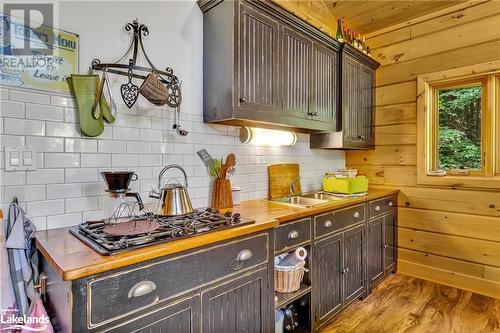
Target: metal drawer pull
<point x="142" y="288"/>
<point x="390" y="204"/>
<point x="328" y="224"/>
<point x="377" y="208"/>
<point x="294" y="234"/>
<point x="356" y="215"/>
<point x="244" y="255"/>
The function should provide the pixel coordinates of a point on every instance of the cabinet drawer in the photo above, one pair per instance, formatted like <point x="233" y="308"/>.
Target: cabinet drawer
<point x="117" y="295"/>
<point x="330" y="222"/>
<point x="382" y="206"/>
<point x="292" y="234"/>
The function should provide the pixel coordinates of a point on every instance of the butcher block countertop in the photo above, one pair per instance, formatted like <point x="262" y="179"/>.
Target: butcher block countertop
<point x="72" y="259"/>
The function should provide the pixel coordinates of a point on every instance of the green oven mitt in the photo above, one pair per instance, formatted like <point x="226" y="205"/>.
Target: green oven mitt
<point x="85" y="89"/>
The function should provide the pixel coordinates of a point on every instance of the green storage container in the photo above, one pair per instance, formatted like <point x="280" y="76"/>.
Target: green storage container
<point x="332" y="183"/>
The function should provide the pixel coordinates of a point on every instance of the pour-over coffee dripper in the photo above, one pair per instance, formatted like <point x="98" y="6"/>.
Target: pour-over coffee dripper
<point x="117" y="183"/>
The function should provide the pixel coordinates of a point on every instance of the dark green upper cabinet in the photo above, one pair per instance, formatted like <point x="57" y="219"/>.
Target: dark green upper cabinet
<point x="264" y="67"/>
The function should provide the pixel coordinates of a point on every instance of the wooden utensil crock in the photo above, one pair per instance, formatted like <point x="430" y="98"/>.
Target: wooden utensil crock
<point x="222" y="196"/>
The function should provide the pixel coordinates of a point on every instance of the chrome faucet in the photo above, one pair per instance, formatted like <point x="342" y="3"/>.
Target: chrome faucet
<point x="292" y="186"/>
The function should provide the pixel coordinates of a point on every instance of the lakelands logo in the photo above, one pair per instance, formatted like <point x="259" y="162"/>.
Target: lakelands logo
<point x="10" y="321"/>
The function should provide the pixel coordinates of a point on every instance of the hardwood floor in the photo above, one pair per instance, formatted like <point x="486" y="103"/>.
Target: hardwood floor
<point x="406" y="304"/>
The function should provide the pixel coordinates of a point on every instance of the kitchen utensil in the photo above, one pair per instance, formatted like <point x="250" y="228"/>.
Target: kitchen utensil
<point x="173" y="199"/>
<point x="177" y="126"/>
<point x="208" y="161"/>
<point x="96" y="110"/>
<point x="174" y="94"/>
<point x="118" y="181"/>
<point x="280" y="177"/>
<point x="131" y="228"/>
<point x="112" y="103"/>
<point x="84" y="88"/>
<point x="129" y="91"/>
<point x="153" y="90"/>
<point x="230" y="163"/>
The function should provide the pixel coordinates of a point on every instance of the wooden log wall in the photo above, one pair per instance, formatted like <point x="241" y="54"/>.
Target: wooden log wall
<point x="447" y="235"/>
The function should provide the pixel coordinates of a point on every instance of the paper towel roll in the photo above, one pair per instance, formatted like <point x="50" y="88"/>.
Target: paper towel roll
<point x="294" y="258"/>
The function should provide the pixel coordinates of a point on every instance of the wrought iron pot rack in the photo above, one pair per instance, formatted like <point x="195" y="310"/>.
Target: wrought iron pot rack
<point x="132" y="70"/>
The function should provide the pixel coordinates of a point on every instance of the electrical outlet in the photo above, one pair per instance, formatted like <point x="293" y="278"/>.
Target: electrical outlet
<point x="20" y="158"/>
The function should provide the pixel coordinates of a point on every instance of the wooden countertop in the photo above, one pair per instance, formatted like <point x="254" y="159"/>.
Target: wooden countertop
<point x="72" y="259"/>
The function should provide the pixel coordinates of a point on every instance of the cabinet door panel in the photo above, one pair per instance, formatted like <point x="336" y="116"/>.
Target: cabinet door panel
<point x="358" y="93"/>
<point x="296" y="72"/>
<point x="327" y="285"/>
<point x="258" y="60"/>
<point x="354" y="263"/>
<point x="324" y="84"/>
<point x="390" y="246"/>
<point x="375" y="250"/>
<point x="239" y="305"/>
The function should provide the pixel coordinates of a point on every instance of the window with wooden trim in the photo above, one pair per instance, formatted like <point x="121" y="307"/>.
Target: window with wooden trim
<point x="458" y="125"/>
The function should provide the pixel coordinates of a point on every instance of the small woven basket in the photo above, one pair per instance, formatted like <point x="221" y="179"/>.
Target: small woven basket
<point x="287" y="279"/>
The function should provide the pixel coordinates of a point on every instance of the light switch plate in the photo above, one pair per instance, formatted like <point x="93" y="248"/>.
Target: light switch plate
<point x="20" y="158"/>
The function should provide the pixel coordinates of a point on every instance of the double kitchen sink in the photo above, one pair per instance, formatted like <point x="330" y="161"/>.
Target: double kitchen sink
<point x="308" y="200"/>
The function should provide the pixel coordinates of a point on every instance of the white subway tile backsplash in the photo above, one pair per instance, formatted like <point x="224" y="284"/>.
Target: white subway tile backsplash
<point x="45" y="176"/>
<point x="125" y="133"/>
<point x="150" y="160"/>
<point x="80" y="145"/>
<point x="4" y="94"/>
<point x="11" y="109"/>
<point x="29" y="97"/>
<point x="81" y="204"/>
<point x="138" y="121"/>
<point x="12" y="177"/>
<point x="95" y="160"/>
<point x="63" y="130"/>
<point x="45" y="144"/>
<point x="61" y="191"/>
<point x="45" y="207"/>
<point x="71" y="115"/>
<point x="81" y="175"/>
<point x="62" y="101"/>
<point x="24" y="193"/>
<point x="112" y="146"/>
<point x="124" y="160"/>
<point x="44" y="112"/>
<point x="11" y="140"/>
<point x="150" y="135"/>
<point x="24" y="127"/>
<point x="92" y="189"/>
<point x="62" y="160"/>
<point x="138" y="147"/>
<point x="40" y="222"/>
<point x="63" y="220"/>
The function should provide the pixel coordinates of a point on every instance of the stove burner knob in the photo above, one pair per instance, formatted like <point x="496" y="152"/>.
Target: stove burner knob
<point x="208" y="210"/>
<point x="237" y="216"/>
<point x="228" y="214"/>
<point x="215" y="211"/>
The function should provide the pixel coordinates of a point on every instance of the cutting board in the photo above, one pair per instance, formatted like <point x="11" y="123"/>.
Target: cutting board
<point x="280" y="176"/>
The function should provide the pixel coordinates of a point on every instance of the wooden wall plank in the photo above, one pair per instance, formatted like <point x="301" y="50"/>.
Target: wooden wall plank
<point x="458" y="57"/>
<point x="384" y="155"/>
<point x="397" y="94"/>
<point x="450" y="200"/>
<point x="467" y="225"/>
<point x="462" y="248"/>
<point x="440" y="41"/>
<point x="396" y="114"/>
<point x="387" y="175"/>
<point x="449" y="278"/>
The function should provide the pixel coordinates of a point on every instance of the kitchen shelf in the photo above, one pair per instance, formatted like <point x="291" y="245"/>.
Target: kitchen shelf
<point x="287" y="298"/>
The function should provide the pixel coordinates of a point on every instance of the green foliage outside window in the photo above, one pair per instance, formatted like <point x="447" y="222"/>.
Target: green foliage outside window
<point x="459" y="140"/>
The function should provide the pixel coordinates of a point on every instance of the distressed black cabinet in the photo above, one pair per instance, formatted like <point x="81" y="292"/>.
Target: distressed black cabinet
<point x="354" y="263"/>
<point x="328" y="266"/>
<point x="375" y="250"/>
<point x="239" y="305"/>
<point x="265" y="67"/>
<point x="339" y="271"/>
<point x="390" y="248"/>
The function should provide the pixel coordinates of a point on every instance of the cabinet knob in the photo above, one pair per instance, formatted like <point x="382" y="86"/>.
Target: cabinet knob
<point x="390" y="204"/>
<point x="377" y="208"/>
<point x="328" y="224"/>
<point x="243" y="99"/>
<point x="356" y="215"/>
<point x="344" y="270"/>
<point x="294" y="234"/>
<point x="362" y="137"/>
<point x="385" y="246"/>
<point x="142" y="288"/>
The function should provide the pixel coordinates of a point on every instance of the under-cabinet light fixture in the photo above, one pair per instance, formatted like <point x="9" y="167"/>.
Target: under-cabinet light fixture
<point x="267" y="137"/>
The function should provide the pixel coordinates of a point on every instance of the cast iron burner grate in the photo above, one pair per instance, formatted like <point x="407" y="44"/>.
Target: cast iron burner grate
<point x="171" y="228"/>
